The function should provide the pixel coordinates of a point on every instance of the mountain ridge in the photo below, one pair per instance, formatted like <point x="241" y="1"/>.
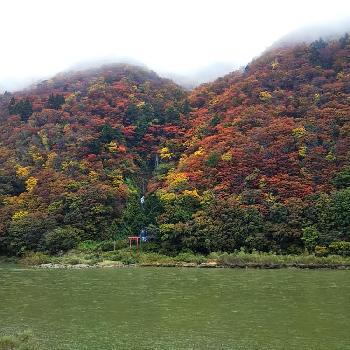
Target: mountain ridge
<point x="247" y="161"/>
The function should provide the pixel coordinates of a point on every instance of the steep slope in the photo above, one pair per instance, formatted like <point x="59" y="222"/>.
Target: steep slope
<point x="73" y="150"/>
<point x="279" y="128"/>
<point x="268" y="145"/>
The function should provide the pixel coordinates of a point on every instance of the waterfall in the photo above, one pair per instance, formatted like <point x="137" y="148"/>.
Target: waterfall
<point x="156" y="162"/>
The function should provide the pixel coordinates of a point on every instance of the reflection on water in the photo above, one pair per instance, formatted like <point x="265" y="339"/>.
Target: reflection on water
<point x="168" y="308"/>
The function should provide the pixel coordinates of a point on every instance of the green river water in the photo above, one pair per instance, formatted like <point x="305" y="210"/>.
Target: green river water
<point x="174" y="308"/>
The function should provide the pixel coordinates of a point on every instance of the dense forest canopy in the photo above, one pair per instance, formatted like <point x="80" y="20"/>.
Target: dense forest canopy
<point x="256" y="160"/>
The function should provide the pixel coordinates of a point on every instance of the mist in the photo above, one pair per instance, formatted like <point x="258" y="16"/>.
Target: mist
<point x="327" y="31"/>
<point x="188" y="41"/>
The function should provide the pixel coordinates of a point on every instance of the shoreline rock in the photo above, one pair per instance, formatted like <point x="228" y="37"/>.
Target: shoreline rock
<point x="206" y="265"/>
<point x="63" y="266"/>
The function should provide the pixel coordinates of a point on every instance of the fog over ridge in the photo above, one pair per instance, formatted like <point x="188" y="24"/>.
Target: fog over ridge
<point x="190" y="42"/>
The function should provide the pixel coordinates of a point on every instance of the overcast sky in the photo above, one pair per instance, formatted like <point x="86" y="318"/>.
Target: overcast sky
<point x="42" y="37"/>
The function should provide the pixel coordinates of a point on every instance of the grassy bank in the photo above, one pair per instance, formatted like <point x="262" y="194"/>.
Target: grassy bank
<point x="130" y="257"/>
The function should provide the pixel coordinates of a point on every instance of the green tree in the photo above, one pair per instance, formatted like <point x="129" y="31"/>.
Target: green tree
<point x="225" y="225"/>
<point x="342" y="178"/>
<point x="55" y="101"/>
<point x="340" y="248"/>
<point x="133" y="218"/>
<point x="24" y="108"/>
<point x="61" y="239"/>
<point x="338" y="214"/>
<point x="310" y="237"/>
<point x="26" y="233"/>
<point x="213" y="159"/>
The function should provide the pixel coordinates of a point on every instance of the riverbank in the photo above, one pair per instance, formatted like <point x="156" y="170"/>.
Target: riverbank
<point x="193" y="265"/>
<point x="132" y="258"/>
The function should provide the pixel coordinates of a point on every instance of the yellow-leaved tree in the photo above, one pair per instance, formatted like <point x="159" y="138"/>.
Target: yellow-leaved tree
<point x="165" y="153"/>
<point x="31" y="184"/>
<point x="22" y="171"/>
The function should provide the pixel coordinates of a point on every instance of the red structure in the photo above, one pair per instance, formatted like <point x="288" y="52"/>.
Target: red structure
<point x="135" y="239"/>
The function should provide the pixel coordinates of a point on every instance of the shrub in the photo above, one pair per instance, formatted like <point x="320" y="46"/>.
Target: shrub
<point x="214" y="255"/>
<point x="26" y="233"/>
<point x="156" y="259"/>
<point x="61" y="239"/>
<point x="76" y="257"/>
<point x="150" y="247"/>
<point x="340" y="248"/>
<point x="111" y="245"/>
<point x="105" y="246"/>
<point x="190" y="258"/>
<point x="242" y="258"/>
<point x="126" y="256"/>
<point x="72" y="260"/>
<point x="113" y="256"/>
<point x="88" y="246"/>
<point x="342" y="178"/>
<point x="310" y="237"/>
<point x="35" y="258"/>
<point x="213" y="159"/>
<point x="321" y="250"/>
<point x="265" y="96"/>
<point x="129" y="260"/>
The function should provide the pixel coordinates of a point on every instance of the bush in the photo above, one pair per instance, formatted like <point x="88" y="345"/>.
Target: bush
<point x="340" y="248"/>
<point x="342" y="178"/>
<point x="321" y="250"/>
<point x="129" y="260"/>
<point x="121" y="243"/>
<point x="61" y="239"/>
<point x="113" y="256"/>
<point x="72" y="260"/>
<point x="190" y="258"/>
<point x="242" y="258"/>
<point x="151" y="247"/>
<point x="105" y="246"/>
<point x="75" y="258"/>
<point x="214" y="255"/>
<point x="125" y="256"/>
<point x="310" y="237"/>
<point x="35" y="258"/>
<point x="155" y="258"/>
<point x="213" y="159"/>
<point x="26" y="233"/>
<point x="88" y="246"/>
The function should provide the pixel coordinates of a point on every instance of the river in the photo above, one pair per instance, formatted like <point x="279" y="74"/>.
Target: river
<point x="174" y="308"/>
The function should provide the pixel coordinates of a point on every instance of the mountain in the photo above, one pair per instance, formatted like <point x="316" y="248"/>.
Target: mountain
<point x="266" y="164"/>
<point x="75" y="148"/>
<point x="278" y="128"/>
<point x="257" y="159"/>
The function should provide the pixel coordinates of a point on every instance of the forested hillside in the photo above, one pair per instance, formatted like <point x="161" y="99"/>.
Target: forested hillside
<point x="258" y="159"/>
<point x="77" y="150"/>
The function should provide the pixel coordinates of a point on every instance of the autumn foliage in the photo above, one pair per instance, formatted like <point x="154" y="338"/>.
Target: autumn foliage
<point x="253" y="160"/>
